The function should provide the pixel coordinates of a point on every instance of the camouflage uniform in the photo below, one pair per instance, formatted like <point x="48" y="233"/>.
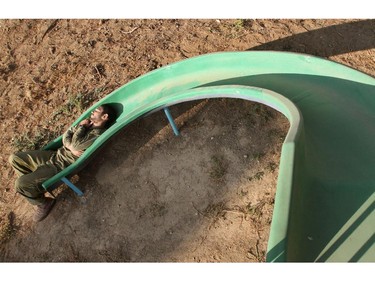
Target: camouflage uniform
<point x="35" y="167"/>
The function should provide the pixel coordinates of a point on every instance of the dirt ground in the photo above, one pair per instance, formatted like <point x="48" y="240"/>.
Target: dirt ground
<point x="205" y="196"/>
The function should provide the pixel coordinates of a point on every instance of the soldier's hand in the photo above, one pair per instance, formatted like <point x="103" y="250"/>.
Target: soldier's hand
<point x="85" y="123"/>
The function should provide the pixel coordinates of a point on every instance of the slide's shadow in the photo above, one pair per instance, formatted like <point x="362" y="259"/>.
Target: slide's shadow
<point x="328" y="41"/>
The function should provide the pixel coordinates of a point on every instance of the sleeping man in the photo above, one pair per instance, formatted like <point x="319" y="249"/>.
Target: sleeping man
<point x="35" y="167"/>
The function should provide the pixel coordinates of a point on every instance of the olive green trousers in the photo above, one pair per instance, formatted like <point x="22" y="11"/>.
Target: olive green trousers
<point x="32" y="170"/>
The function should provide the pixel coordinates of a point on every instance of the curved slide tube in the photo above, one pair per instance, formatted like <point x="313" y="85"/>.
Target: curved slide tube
<point x="325" y="197"/>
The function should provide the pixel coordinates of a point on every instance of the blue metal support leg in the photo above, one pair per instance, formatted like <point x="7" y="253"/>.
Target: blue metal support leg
<point x="171" y="121"/>
<point x="72" y="186"/>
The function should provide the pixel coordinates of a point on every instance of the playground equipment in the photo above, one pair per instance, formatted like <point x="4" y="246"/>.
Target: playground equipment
<point x="325" y="197"/>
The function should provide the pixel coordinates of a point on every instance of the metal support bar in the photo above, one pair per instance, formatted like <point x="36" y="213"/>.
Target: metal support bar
<point x="171" y="121"/>
<point x="72" y="186"/>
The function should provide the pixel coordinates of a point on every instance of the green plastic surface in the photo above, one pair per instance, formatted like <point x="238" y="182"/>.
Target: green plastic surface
<point x="325" y="198"/>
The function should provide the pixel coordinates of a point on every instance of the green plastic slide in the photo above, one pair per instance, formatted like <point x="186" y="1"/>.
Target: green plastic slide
<point x="325" y="197"/>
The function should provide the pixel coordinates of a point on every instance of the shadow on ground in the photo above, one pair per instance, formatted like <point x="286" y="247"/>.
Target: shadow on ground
<point x="333" y="40"/>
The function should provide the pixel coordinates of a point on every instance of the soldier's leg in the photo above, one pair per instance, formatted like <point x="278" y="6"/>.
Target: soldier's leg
<point x="27" y="162"/>
<point x="30" y="185"/>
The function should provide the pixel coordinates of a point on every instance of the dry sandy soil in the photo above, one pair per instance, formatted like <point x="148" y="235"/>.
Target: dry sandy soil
<point x="205" y="196"/>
